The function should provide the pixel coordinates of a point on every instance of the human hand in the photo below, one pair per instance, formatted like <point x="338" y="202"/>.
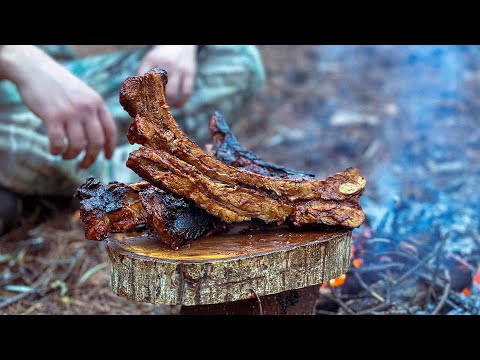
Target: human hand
<point x="180" y="61"/>
<point x="66" y="105"/>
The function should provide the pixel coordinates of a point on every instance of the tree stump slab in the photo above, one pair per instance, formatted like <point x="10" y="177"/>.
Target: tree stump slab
<point x="244" y="263"/>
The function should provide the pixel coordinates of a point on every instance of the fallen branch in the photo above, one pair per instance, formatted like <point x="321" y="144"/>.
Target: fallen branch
<point x="334" y="297"/>
<point x="36" y="287"/>
<point x="368" y="288"/>
<point x="445" y="294"/>
<point x="422" y="263"/>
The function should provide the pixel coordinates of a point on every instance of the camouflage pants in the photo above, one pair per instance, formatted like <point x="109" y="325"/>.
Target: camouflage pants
<point x="228" y="76"/>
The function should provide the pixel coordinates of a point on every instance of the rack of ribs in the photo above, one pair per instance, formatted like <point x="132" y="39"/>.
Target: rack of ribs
<point x="231" y="184"/>
<point x="170" y="160"/>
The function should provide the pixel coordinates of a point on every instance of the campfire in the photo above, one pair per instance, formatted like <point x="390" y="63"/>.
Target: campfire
<point x="402" y="278"/>
<point x="418" y="252"/>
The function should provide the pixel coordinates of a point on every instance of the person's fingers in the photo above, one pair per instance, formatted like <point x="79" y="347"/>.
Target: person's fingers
<point x="77" y="139"/>
<point x="186" y="88"/>
<point x="56" y="137"/>
<point x="96" y="141"/>
<point x="172" y="89"/>
<point x="109" y="129"/>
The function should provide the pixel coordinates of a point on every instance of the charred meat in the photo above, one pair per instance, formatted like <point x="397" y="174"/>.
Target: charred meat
<point x="228" y="150"/>
<point x="174" y="219"/>
<point x="117" y="207"/>
<point x="113" y="207"/>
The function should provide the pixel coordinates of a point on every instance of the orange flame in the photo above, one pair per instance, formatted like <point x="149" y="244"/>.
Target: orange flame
<point x="357" y="262"/>
<point x="476" y="277"/>
<point x="466" y="291"/>
<point x="338" y="281"/>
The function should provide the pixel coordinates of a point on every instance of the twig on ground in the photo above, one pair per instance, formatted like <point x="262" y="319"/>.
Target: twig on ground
<point x="421" y="263"/>
<point x="445" y="294"/>
<point x="34" y="288"/>
<point x="14" y="299"/>
<point x="368" y="288"/>
<point x="334" y="296"/>
<point x="78" y="255"/>
<point x="452" y="304"/>
<point x="378" y="307"/>
<point x="91" y="271"/>
<point x="376" y="268"/>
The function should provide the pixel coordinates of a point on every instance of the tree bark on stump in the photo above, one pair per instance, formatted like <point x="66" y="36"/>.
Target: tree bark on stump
<point x="225" y="268"/>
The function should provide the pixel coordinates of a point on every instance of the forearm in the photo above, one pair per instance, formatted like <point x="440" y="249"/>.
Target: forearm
<point x="8" y="61"/>
<point x="18" y="61"/>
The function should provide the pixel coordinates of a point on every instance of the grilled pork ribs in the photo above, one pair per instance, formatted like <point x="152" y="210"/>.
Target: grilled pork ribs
<point x="231" y="185"/>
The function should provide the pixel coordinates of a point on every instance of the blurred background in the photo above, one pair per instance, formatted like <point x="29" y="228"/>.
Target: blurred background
<point x="407" y="116"/>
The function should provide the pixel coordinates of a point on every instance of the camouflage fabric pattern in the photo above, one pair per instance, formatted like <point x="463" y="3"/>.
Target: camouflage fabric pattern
<point x="228" y="77"/>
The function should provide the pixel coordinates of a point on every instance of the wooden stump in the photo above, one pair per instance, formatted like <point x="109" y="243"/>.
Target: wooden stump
<point x="244" y="263"/>
<point x="292" y="302"/>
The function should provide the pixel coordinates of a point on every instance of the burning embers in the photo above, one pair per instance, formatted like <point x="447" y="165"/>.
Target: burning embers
<point x="405" y="277"/>
<point x="233" y="185"/>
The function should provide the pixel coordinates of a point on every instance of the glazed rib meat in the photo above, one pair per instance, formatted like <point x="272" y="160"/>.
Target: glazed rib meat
<point x="230" y="203"/>
<point x="143" y="97"/>
<point x="113" y="207"/>
<point x="170" y="160"/>
<point x="228" y="150"/>
<point x="117" y="207"/>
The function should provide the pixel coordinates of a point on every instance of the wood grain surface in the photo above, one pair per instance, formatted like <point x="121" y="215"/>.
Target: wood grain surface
<point x="225" y="267"/>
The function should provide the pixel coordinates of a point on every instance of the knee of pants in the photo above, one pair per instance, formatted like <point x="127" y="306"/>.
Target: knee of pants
<point x="254" y="59"/>
<point x="27" y="166"/>
<point x="238" y="66"/>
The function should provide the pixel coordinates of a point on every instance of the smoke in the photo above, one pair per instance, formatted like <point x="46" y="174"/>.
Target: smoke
<point x="424" y="175"/>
